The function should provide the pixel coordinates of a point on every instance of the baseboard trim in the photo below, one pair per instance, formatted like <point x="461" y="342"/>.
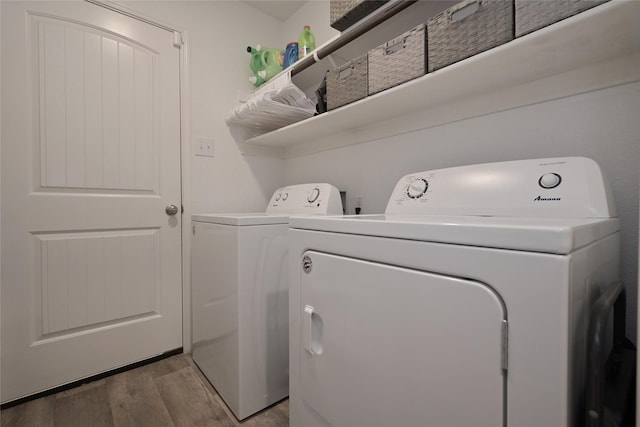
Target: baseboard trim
<point x="91" y="378"/>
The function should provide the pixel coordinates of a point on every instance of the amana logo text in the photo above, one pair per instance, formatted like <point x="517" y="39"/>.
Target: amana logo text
<point x="547" y="199"/>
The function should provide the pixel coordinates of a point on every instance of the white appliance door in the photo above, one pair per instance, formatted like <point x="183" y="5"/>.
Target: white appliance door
<point x="91" y="263"/>
<point x="389" y="346"/>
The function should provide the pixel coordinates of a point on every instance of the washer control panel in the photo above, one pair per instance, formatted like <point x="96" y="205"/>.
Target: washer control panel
<point x="312" y="199"/>
<point x="562" y="187"/>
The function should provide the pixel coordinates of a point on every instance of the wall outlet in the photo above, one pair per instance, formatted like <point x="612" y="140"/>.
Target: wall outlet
<point x="203" y="146"/>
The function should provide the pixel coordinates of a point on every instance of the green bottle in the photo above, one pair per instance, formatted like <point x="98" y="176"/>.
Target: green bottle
<point x="306" y="42"/>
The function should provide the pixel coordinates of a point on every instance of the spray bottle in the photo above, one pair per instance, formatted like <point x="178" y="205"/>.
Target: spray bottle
<point x="306" y="42"/>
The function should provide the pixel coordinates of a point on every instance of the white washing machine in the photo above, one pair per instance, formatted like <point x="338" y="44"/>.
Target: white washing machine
<point x="465" y="304"/>
<point x="240" y="296"/>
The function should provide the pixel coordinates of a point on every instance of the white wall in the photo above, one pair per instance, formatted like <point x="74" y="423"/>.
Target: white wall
<point x="602" y="125"/>
<point x="218" y="33"/>
<point x="314" y="13"/>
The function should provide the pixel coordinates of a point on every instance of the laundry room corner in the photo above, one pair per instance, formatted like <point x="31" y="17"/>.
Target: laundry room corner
<point x="231" y="242"/>
<point x="218" y="71"/>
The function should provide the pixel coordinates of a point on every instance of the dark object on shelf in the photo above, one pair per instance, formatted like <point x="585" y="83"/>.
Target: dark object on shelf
<point x="345" y="13"/>
<point x="321" y="93"/>
<point x="347" y="83"/>
<point x="468" y="28"/>
<point x="532" y="15"/>
<point x="610" y="386"/>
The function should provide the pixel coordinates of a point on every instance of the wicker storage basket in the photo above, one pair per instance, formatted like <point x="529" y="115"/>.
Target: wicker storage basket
<point x="397" y="61"/>
<point x="345" y="13"/>
<point x="347" y="83"/>
<point x="532" y="15"/>
<point x="468" y="28"/>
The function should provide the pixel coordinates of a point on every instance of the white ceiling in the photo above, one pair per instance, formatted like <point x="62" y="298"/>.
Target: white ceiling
<point x="279" y="9"/>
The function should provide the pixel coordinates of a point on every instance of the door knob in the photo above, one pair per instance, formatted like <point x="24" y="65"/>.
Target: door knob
<point x="171" y="210"/>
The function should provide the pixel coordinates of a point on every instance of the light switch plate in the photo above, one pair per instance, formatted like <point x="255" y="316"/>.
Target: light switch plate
<point x="203" y="146"/>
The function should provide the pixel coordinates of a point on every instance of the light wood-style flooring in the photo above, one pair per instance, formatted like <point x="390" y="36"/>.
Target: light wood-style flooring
<point x="170" y="392"/>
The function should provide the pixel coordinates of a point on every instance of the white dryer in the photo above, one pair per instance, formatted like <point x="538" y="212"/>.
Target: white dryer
<point x="465" y="304"/>
<point x="240" y="296"/>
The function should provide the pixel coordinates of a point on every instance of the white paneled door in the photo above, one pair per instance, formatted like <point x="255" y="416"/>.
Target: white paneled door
<point x="91" y="260"/>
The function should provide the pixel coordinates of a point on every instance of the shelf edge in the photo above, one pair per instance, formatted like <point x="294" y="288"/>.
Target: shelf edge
<point x="614" y="23"/>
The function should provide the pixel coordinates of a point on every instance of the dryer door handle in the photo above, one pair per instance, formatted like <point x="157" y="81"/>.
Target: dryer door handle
<point x="312" y="326"/>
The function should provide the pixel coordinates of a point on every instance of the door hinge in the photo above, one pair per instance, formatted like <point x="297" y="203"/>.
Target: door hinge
<point x="177" y="39"/>
<point x="307" y="264"/>
<point x="505" y="345"/>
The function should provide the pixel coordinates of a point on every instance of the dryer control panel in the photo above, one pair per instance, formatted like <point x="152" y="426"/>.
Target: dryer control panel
<point x="569" y="187"/>
<point x="306" y="199"/>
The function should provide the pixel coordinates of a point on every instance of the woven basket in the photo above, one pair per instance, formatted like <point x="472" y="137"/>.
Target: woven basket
<point x="532" y="15"/>
<point x="347" y="83"/>
<point x="468" y="28"/>
<point x="345" y="13"/>
<point x="397" y="61"/>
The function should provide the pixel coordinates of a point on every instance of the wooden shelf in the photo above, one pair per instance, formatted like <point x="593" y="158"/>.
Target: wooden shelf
<point x="596" y="49"/>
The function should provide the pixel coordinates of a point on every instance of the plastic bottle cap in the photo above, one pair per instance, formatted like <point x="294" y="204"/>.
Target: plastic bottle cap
<point x="306" y="27"/>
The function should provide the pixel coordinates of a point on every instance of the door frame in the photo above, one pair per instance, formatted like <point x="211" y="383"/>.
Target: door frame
<point x="181" y="42"/>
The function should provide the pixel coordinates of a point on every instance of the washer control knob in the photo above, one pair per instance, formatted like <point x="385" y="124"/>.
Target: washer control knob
<point x="278" y="196"/>
<point x="417" y="188"/>
<point x="285" y="196"/>
<point x="313" y="196"/>
<point x="549" y="180"/>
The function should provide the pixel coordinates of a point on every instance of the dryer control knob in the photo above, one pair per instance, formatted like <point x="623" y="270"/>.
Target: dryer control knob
<point x="417" y="188"/>
<point x="285" y="196"/>
<point x="313" y="196"/>
<point x="549" y="180"/>
<point x="278" y="196"/>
